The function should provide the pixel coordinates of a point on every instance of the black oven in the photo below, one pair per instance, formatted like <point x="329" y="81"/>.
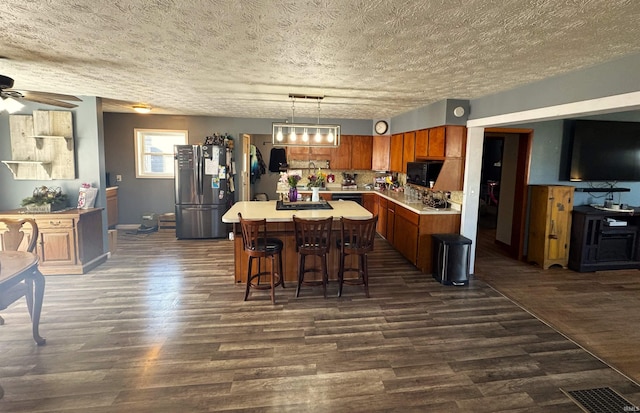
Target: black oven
<point x="347" y="196"/>
<point x="423" y="173"/>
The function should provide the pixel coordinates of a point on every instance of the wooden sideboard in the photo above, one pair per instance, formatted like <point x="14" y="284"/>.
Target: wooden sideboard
<point x="70" y="242"/>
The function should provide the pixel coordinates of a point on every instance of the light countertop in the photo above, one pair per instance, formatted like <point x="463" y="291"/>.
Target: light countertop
<point x="412" y="204"/>
<point x="267" y="209"/>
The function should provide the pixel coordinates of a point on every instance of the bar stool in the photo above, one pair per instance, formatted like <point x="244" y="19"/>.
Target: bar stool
<point x="356" y="238"/>
<point x="313" y="237"/>
<point x="257" y="245"/>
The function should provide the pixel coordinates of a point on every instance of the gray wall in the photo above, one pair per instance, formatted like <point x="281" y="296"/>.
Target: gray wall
<point x="89" y="152"/>
<point x="138" y="196"/>
<point x="607" y="79"/>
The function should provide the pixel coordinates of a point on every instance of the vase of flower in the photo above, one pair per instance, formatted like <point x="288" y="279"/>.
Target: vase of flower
<point x="293" y="194"/>
<point x="315" y="193"/>
<point x="292" y="182"/>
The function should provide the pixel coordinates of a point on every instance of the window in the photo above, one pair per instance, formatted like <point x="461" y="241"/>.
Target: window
<point x="154" y="151"/>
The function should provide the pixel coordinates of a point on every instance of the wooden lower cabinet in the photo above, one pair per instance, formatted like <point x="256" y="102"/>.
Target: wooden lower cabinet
<point x="433" y="224"/>
<point x="70" y="242"/>
<point x="406" y="231"/>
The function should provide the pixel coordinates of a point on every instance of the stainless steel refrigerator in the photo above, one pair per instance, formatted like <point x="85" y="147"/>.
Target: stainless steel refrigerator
<point x="201" y="191"/>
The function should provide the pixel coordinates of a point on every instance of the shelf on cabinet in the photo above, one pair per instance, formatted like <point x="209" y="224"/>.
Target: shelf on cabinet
<point x="51" y="137"/>
<point x="32" y="169"/>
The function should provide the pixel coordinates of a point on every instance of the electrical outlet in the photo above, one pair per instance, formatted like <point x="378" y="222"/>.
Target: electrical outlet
<point x="118" y="178"/>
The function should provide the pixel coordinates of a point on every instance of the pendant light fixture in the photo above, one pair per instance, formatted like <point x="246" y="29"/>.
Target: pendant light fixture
<point x="325" y="135"/>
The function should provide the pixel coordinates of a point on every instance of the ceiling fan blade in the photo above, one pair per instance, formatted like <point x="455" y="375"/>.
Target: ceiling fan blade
<point x="48" y="95"/>
<point x="48" y="101"/>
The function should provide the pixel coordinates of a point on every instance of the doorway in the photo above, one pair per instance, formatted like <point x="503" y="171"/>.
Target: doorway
<point x="503" y="189"/>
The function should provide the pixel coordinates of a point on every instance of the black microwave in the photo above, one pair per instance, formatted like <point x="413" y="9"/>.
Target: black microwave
<point x="423" y="173"/>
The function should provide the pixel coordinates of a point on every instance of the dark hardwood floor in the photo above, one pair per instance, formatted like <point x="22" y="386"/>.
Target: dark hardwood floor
<point x="161" y="327"/>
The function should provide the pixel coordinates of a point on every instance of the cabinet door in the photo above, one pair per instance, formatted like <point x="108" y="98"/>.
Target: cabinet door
<point x="391" y="220"/>
<point x="382" y="217"/>
<point x="406" y="233"/>
<point x="361" y="152"/>
<point x="456" y="140"/>
<point x="300" y="153"/>
<point x="57" y="242"/>
<point x="437" y="142"/>
<point x="380" y="153"/>
<point x="408" y="149"/>
<point x="395" y="160"/>
<point x="319" y="153"/>
<point x="341" y="156"/>
<point x="422" y="143"/>
<point x="369" y="203"/>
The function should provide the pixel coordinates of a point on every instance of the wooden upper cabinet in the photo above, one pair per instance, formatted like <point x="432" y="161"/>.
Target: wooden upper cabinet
<point x="422" y="143"/>
<point x="408" y="149"/>
<point x="361" y="152"/>
<point x="380" y="153"/>
<point x="395" y="154"/>
<point x="456" y="141"/>
<point x="298" y="152"/>
<point x="437" y="142"/>
<point x="319" y="153"/>
<point x="341" y="156"/>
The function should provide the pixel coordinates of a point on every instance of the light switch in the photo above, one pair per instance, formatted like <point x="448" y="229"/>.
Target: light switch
<point x="118" y="178"/>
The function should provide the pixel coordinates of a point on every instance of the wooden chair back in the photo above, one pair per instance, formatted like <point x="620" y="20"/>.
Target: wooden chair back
<point x="254" y="236"/>
<point x="313" y="236"/>
<point x="357" y="235"/>
<point x="13" y="236"/>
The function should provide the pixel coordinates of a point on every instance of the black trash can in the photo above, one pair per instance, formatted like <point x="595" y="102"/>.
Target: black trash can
<point x="451" y="255"/>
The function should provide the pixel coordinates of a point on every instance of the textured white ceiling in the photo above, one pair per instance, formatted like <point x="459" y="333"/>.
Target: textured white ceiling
<point x="242" y="58"/>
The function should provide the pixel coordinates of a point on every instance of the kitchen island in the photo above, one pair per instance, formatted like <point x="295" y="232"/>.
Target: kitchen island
<point x="280" y="225"/>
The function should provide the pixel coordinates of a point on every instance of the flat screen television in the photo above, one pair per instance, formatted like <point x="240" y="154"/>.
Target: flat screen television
<point x="603" y="150"/>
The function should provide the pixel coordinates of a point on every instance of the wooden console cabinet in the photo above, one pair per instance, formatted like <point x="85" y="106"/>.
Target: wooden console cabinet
<point x="70" y="242"/>
<point x="550" y="224"/>
<point x="596" y="246"/>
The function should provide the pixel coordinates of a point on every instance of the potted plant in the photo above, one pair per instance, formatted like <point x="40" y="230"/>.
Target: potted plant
<point x="45" y="199"/>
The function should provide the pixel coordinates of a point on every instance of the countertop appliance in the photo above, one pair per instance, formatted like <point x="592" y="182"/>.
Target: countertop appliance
<point x="349" y="181"/>
<point x="201" y="191"/>
<point x="423" y="173"/>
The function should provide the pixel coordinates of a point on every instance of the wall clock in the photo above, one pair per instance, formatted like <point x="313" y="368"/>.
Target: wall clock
<point x="381" y="127"/>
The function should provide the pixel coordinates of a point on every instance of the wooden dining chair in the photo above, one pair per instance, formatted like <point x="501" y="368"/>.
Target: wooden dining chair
<point x="16" y="237"/>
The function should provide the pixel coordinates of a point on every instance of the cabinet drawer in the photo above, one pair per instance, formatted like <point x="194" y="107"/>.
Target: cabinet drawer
<point x="55" y="223"/>
<point x="412" y="217"/>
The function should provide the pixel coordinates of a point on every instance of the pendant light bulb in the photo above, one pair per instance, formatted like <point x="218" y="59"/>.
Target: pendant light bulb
<point x="279" y="136"/>
<point x="317" y="137"/>
<point x="305" y="136"/>
<point x="292" y="135"/>
<point x="330" y="136"/>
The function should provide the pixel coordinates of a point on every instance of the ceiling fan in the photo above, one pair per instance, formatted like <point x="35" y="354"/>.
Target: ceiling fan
<point x="54" y="99"/>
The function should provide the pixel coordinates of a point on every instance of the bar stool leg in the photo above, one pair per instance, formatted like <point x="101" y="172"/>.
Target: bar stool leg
<point x="325" y="275"/>
<point x="365" y="274"/>
<point x="273" y="276"/>
<point x="246" y="293"/>
<point x="300" y="273"/>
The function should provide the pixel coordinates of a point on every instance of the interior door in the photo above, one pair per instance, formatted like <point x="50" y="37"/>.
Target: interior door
<point x="245" y="194"/>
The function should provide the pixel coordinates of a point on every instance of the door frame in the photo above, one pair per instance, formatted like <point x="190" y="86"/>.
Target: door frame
<point x="521" y="192"/>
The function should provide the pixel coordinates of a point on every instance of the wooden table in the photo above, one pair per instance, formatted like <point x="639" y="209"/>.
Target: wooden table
<point x="16" y="267"/>
<point x="280" y="225"/>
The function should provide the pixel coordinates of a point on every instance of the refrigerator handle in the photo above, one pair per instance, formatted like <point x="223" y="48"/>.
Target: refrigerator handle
<point x="199" y="173"/>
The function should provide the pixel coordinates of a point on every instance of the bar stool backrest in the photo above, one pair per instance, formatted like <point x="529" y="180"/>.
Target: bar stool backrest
<point x="254" y="235"/>
<point x="358" y="235"/>
<point x="313" y="236"/>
